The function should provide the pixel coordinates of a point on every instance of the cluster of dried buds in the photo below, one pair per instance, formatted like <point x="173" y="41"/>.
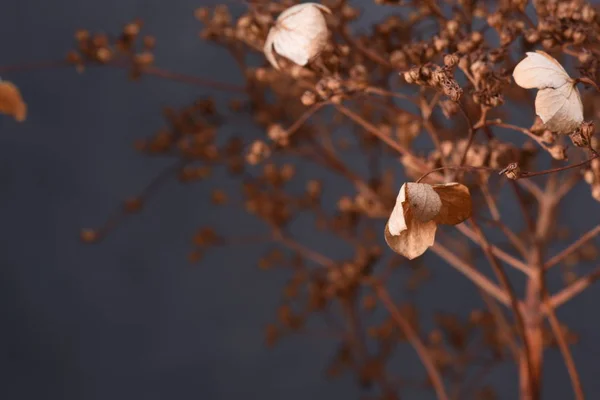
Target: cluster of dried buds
<point x="450" y="39"/>
<point x="217" y="23"/>
<point x="97" y="48"/>
<point x="334" y="89"/>
<point x="190" y="133"/>
<point x="440" y="78"/>
<point x="489" y="83"/>
<point x="564" y="22"/>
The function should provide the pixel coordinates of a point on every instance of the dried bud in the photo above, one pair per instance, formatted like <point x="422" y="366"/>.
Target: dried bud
<point x="579" y="37"/>
<point x="548" y="137"/>
<point x="440" y="43"/>
<point x="587" y="129"/>
<point x="258" y="152"/>
<point x="452" y="27"/>
<point x="449" y="108"/>
<point x="398" y="59"/>
<point x="412" y="75"/>
<point x="512" y="171"/>
<point x="89" y="235"/>
<point x="581" y="136"/>
<point x="548" y="43"/>
<point x="495" y="20"/>
<point x="558" y="152"/>
<point x="278" y="134"/>
<point x="477" y="37"/>
<point x="584" y="57"/>
<point x="596" y="192"/>
<point x="451" y="60"/>
<point x="359" y="73"/>
<point x="308" y="98"/>
<point x="588" y="14"/>
<point x="532" y="36"/>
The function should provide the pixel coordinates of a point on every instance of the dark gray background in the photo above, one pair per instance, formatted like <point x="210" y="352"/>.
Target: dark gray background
<point x="129" y="318"/>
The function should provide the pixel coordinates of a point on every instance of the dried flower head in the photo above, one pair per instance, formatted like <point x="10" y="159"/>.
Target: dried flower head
<point x="11" y="102"/>
<point x="419" y="208"/>
<point x="300" y="34"/>
<point x="558" y="102"/>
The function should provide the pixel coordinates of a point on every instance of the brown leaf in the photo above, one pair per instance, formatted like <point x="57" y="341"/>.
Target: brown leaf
<point x="413" y="241"/>
<point x="456" y="203"/>
<point x="424" y="202"/>
<point x="11" y="102"/>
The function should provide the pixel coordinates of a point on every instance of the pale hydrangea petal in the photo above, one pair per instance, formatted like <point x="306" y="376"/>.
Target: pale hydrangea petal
<point x="540" y="70"/>
<point x="300" y="34"/>
<point x="558" y="102"/>
<point x="413" y="241"/>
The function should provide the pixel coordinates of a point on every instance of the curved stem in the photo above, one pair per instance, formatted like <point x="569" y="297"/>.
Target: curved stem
<point x="414" y="339"/>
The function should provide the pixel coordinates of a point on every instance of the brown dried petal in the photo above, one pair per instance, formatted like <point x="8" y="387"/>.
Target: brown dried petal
<point x="11" y="102"/>
<point x="456" y="203"/>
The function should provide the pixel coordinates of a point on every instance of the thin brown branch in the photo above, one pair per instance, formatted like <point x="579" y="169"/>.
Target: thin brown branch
<point x="527" y="132"/>
<point x="503" y="325"/>
<point x="586" y="237"/>
<point x="574" y="288"/>
<point x="305" y="116"/>
<point x="33" y="66"/>
<point x="471" y="134"/>
<point x="413" y="338"/>
<point x="310" y="254"/>
<point x="501" y="254"/>
<point x="514" y="303"/>
<point x="122" y="212"/>
<point x="564" y="349"/>
<point x="531" y="174"/>
<point x="192" y="80"/>
<point x="470" y="272"/>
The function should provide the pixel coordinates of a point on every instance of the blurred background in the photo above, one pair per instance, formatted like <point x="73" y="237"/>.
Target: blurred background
<point x="130" y="317"/>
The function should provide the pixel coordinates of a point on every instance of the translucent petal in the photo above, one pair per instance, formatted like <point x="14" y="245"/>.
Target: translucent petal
<point x="540" y="70"/>
<point x="560" y="109"/>
<point x="413" y="241"/>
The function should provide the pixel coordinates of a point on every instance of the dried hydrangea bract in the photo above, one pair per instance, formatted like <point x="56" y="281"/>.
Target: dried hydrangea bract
<point x="300" y="34"/>
<point x="11" y="102"/>
<point x="419" y="208"/>
<point x="558" y="102"/>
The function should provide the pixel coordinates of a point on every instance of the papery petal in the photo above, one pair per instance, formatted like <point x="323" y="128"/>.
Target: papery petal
<point x="300" y="34"/>
<point x="424" y="202"/>
<point x="560" y="109"/>
<point x="396" y="221"/>
<point x="268" y="48"/>
<point x="540" y="70"/>
<point x="456" y="203"/>
<point x="414" y="240"/>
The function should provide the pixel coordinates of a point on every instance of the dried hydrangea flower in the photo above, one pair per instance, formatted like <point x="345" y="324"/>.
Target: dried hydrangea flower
<point x="11" y="102"/>
<point x="300" y="34"/>
<point x="558" y="102"/>
<point x="419" y="208"/>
